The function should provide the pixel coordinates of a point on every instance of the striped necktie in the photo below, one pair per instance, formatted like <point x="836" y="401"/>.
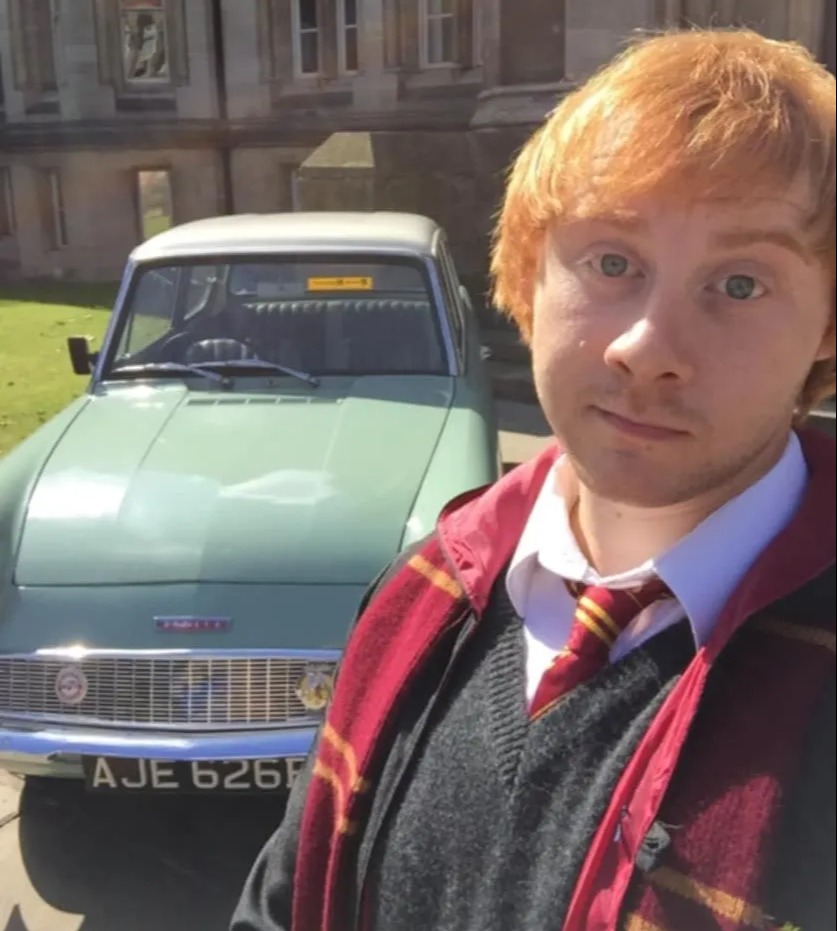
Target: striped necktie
<point x="601" y="614"/>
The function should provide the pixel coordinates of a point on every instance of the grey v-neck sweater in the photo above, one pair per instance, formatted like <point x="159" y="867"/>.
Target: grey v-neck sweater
<point x="493" y="821"/>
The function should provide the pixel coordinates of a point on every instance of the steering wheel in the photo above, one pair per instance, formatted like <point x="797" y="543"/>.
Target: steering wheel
<point x="222" y="349"/>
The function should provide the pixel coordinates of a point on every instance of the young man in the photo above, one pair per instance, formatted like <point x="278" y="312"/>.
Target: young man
<point x="602" y="694"/>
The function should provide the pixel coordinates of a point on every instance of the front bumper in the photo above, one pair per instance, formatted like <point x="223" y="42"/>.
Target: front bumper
<point x="57" y="751"/>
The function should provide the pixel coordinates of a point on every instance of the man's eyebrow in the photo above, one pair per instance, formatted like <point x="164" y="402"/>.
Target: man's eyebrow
<point x="627" y="222"/>
<point x="782" y="238"/>
<point x="729" y="239"/>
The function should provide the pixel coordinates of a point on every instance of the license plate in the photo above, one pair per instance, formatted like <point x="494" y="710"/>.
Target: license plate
<point x="200" y="777"/>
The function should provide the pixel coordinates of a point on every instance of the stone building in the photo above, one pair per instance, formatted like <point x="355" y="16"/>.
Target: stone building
<point x="119" y="117"/>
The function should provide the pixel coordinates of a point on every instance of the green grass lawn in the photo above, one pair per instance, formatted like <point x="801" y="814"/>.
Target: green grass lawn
<point x="36" y="379"/>
<point x="154" y="222"/>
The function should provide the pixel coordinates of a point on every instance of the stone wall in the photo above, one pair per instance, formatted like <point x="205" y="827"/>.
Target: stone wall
<point x="99" y="206"/>
<point x="263" y="177"/>
<point x="454" y="177"/>
<point x="435" y="140"/>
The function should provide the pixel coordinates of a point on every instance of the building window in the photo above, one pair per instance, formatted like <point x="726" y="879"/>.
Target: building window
<point x="155" y="212"/>
<point x="347" y="34"/>
<point x="144" y="42"/>
<point x="53" y="216"/>
<point x="7" y="209"/>
<point x="438" y="32"/>
<point x="33" y="47"/>
<point x="306" y="37"/>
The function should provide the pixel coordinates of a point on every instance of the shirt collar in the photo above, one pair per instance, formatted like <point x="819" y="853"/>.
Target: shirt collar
<point x="702" y="569"/>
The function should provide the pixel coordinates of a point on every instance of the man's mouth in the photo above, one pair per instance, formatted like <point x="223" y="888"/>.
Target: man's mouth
<point x="639" y="429"/>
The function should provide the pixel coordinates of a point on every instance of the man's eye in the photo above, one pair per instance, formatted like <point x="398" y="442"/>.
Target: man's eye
<point x="740" y="287"/>
<point x="613" y="265"/>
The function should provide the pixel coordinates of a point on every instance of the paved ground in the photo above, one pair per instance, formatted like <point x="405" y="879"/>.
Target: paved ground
<point x="523" y="431"/>
<point x="69" y="862"/>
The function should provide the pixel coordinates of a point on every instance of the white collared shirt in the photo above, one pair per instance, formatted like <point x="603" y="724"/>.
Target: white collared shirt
<point x="702" y="569"/>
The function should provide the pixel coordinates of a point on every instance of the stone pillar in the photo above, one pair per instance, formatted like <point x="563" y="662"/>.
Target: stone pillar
<point x="197" y="98"/>
<point x="770" y="19"/>
<point x="669" y="13"/>
<point x="726" y="11"/>
<point x="807" y="23"/>
<point x="105" y="226"/>
<point x="597" y="30"/>
<point x="80" y="90"/>
<point x="9" y="247"/>
<point x="264" y="177"/>
<point x="247" y="93"/>
<point x="35" y="258"/>
<point x="829" y="48"/>
<point x="490" y="36"/>
<point x="327" y="25"/>
<point x="698" y="12"/>
<point x="374" y="87"/>
<point x="339" y="174"/>
<point x="15" y="102"/>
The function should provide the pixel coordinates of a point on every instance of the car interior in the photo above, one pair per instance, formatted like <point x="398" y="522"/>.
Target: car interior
<point x="332" y="335"/>
<point x="346" y="331"/>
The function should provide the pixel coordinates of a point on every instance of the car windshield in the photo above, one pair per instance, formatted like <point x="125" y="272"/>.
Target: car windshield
<point x="320" y="316"/>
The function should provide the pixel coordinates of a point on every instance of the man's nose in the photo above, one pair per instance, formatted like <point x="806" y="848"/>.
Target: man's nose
<point x="652" y="346"/>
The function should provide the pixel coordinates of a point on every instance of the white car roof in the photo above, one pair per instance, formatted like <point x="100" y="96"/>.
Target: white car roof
<point x="315" y="231"/>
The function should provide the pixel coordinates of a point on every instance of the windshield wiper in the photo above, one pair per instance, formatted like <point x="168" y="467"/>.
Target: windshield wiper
<point x="170" y="368"/>
<point x="264" y="366"/>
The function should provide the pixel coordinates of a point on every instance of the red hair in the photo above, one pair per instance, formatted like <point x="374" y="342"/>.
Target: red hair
<point x="691" y="114"/>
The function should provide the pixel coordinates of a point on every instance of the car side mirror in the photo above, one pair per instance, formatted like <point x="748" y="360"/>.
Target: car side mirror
<point x="81" y="358"/>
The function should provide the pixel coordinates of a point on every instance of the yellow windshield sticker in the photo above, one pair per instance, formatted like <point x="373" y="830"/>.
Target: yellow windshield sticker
<point x="341" y="284"/>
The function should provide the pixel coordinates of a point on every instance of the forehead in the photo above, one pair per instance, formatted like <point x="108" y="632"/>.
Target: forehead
<point x="777" y="213"/>
<point x="721" y="199"/>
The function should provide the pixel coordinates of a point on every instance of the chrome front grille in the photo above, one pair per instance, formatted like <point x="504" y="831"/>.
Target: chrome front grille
<point x="177" y="690"/>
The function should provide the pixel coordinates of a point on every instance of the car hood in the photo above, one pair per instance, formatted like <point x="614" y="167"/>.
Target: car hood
<point x="165" y="484"/>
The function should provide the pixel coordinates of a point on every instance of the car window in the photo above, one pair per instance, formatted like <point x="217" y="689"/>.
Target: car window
<point x="450" y="281"/>
<point x="152" y="308"/>
<point x="325" y="316"/>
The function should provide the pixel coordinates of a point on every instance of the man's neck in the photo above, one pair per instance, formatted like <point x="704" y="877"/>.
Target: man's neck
<point x="616" y="538"/>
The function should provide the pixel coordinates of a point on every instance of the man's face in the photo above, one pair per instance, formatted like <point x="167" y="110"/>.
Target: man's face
<point x="669" y="348"/>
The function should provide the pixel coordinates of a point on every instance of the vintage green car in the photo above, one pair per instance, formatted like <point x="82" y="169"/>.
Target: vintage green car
<point x="281" y="403"/>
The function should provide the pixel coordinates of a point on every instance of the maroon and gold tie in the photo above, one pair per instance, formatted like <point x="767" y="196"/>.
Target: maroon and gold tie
<point x="601" y="614"/>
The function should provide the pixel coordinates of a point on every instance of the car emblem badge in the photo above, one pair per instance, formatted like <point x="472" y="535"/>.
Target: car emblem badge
<point x="186" y="624"/>
<point x="71" y="685"/>
<point x="314" y="688"/>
